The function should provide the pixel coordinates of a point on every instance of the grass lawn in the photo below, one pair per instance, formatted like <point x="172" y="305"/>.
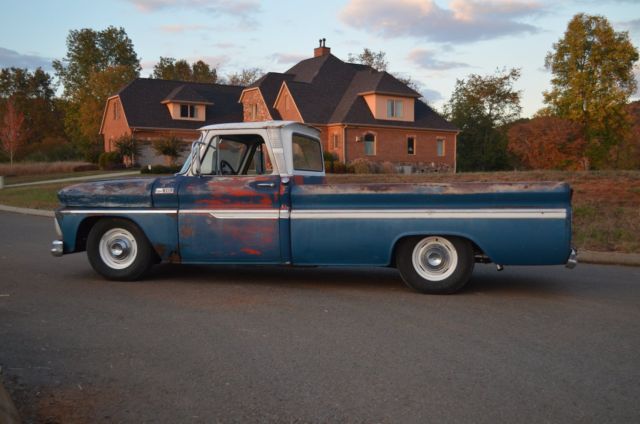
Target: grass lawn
<point x="606" y="205"/>
<point x="43" y="177"/>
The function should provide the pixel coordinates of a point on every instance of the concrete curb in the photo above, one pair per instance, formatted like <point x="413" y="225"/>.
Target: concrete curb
<point x="27" y="211"/>
<point x="584" y="256"/>
<point x="8" y="412"/>
<point x="608" y="258"/>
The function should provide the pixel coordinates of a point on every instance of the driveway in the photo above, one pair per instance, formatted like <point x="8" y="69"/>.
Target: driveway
<point x="276" y="344"/>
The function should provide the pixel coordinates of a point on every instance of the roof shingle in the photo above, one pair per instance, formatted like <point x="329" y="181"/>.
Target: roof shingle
<point x="142" y="103"/>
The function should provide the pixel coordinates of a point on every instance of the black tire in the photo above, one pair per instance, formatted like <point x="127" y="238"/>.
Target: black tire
<point x="111" y="236"/>
<point x="435" y="264"/>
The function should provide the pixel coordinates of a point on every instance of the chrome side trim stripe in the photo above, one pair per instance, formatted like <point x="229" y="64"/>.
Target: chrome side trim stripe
<point x="345" y="213"/>
<point x="119" y="211"/>
<point x="235" y="213"/>
<point x="430" y="214"/>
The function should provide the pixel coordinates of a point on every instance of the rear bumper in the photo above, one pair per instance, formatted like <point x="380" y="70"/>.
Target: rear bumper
<point x="573" y="259"/>
<point x="57" y="248"/>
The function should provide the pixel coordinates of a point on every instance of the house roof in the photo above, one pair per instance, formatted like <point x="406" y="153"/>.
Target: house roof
<point x="142" y="101"/>
<point x="327" y="90"/>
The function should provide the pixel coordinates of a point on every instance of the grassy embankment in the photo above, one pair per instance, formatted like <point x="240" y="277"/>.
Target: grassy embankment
<point x="606" y="214"/>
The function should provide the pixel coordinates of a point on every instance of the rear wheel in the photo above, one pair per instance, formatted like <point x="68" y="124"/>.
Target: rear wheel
<point x="435" y="264"/>
<point x="118" y="250"/>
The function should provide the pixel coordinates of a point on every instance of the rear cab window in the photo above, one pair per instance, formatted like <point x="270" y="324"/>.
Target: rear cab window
<point x="307" y="154"/>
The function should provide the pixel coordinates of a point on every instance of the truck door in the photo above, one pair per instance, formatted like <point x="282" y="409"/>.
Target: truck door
<point x="230" y="212"/>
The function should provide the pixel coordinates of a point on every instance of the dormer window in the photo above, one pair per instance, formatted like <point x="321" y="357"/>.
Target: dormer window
<point x="394" y="108"/>
<point x="188" y="111"/>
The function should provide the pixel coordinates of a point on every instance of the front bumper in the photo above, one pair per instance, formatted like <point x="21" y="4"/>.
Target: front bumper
<point x="573" y="259"/>
<point x="57" y="248"/>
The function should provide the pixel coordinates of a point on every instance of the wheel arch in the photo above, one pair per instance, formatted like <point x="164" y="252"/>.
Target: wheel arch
<point x="477" y="248"/>
<point x="85" y="226"/>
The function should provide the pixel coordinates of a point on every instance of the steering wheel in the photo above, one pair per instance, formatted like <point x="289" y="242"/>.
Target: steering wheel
<point x="226" y="168"/>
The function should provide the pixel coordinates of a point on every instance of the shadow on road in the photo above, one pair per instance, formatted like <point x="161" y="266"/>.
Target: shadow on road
<point x="516" y="281"/>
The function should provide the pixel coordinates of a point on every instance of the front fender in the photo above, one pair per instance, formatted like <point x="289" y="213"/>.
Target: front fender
<point x="159" y="226"/>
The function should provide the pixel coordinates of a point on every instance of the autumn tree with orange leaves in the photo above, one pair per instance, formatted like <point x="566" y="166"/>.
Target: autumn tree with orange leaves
<point x="548" y="142"/>
<point x="12" y="133"/>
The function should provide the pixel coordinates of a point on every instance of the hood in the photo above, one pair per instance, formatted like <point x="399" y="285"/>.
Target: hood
<point x="128" y="193"/>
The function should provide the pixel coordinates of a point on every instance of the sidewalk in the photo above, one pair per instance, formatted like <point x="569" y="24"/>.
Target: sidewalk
<point x="70" y="179"/>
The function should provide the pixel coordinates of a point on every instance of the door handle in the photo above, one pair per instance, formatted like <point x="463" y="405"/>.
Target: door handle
<point x="265" y="185"/>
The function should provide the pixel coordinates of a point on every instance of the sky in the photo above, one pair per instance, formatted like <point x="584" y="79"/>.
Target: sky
<point x="435" y="42"/>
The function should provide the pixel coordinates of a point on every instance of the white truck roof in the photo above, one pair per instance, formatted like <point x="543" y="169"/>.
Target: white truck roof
<point x="255" y="125"/>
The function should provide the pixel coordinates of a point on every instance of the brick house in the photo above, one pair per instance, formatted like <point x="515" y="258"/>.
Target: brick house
<point x="361" y="112"/>
<point x="150" y="109"/>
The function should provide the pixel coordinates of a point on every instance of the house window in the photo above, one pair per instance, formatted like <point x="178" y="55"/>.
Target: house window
<point x="369" y="144"/>
<point x="411" y="145"/>
<point x="116" y="110"/>
<point x="336" y="141"/>
<point x="254" y="112"/>
<point x="394" y="108"/>
<point x="440" y="146"/>
<point x="187" y="111"/>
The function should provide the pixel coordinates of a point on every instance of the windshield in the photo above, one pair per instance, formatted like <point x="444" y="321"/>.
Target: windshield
<point x="195" y="147"/>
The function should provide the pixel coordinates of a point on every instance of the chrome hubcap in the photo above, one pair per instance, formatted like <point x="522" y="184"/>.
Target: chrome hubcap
<point x="435" y="258"/>
<point x="118" y="248"/>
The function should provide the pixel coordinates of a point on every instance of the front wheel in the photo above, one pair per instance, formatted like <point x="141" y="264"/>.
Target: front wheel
<point x="118" y="250"/>
<point x="435" y="264"/>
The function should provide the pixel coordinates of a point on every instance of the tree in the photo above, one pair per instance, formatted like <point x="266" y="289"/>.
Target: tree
<point x="170" y="148"/>
<point x="481" y="107"/>
<point x="171" y="69"/>
<point x="547" y="142"/>
<point x="33" y="95"/>
<point x="97" y="65"/>
<point x="11" y="131"/>
<point x="377" y="61"/>
<point x="592" y="67"/>
<point x="127" y="147"/>
<point x="245" y="77"/>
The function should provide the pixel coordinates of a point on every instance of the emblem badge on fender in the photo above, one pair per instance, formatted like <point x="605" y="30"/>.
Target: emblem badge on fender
<point x="164" y="190"/>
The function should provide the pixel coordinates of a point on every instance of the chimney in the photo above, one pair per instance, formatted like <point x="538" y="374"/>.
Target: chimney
<point x="322" y="50"/>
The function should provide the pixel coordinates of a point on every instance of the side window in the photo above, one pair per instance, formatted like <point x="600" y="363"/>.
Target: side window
<point x="228" y="159"/>
<point x="307" y="154"/>
<point x="260" y="163"/>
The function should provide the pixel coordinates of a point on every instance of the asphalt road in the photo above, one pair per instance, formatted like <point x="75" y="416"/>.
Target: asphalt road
<point x="270" y="344"/>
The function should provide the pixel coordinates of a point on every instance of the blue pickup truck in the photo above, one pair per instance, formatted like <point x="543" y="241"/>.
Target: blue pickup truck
<point x="255" y="193"/>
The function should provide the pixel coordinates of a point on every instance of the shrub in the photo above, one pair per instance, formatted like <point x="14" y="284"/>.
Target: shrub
<point x="170" y="148"/>
<point x="110" y="160"/>
<point x="160" y="169"/>
<point x="35" y="168"/>
<point x="328" y="156"/>
<point x="388" y="168"/>
<point x="365" y="166"/>
<point x="127" y="147"/>
<point x="86" y="167"/>
<point x="50" y="149"/>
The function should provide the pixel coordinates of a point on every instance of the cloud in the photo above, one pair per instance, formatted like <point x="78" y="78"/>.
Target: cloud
<point x="178" y="28"/>
<point x="287" y="58"/>
<point x="11" y="58"/>
<point x="431" y="96"/>
<point x="240" y="8"/>
<point x="426" y="59"/>
<point x="465" y="21"/>
<point x="633" y="25"/>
